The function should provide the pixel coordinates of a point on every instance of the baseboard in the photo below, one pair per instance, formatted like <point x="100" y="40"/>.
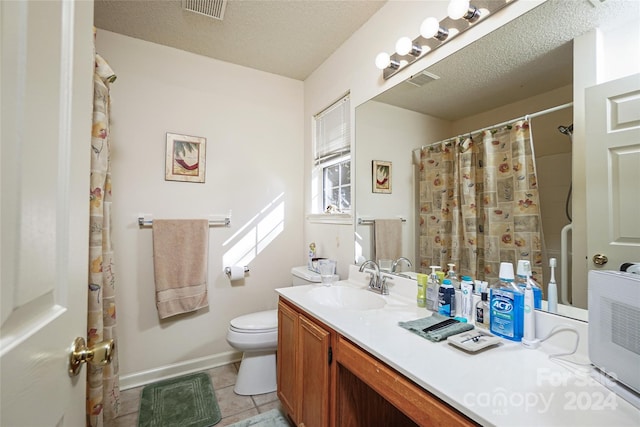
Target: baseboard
<point x="170" y="371"/>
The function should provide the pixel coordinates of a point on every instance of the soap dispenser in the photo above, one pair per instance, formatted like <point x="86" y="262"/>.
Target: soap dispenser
<point x="433" y="286"/>
<point x="451" y="275"/>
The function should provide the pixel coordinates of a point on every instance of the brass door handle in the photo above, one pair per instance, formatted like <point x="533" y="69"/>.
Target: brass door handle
<point x="600" y="259"/>
<point x="100" y="354"/>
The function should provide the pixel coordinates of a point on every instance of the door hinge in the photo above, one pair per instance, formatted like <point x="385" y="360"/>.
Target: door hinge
<point x="330" y="355"/>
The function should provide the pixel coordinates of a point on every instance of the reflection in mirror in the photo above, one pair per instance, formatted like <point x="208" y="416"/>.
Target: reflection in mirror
<point x="516" y="70"/>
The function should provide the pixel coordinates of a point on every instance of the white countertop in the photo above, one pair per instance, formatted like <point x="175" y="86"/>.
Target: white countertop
<point x="502" y="385"/>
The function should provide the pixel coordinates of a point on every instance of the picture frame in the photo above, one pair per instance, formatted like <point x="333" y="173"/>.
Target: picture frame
<point x="185" y="158"/>
<point x="381" y="176"/>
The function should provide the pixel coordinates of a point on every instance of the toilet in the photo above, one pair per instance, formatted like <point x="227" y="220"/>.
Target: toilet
<point x="256" y="335"/>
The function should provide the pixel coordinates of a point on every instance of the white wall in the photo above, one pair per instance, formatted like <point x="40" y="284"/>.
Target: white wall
<point x="515" y="110"/>
<point x="390" y="133"/>
<point x="253" y="124"/>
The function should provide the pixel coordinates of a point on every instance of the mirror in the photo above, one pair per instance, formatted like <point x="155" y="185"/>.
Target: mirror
<point x="521" y="68"/>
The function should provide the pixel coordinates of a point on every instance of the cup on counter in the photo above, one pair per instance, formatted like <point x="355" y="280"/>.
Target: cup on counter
<point x="327" y="268"/>
<point x="385" y="264"/>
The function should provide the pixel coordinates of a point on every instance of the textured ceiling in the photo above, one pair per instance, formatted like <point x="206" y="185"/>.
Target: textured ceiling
<point x="531" y="55"/>
<point x="286" y="37"/>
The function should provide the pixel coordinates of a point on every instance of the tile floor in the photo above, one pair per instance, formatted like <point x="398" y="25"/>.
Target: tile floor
<point x="232" y="406"/>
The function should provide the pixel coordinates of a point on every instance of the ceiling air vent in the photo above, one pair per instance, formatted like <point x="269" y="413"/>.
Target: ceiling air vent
<point x="212" y="8"/>
<point x="422" y="78"/>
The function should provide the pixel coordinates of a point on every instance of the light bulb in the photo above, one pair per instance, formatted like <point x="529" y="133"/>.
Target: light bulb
<point x="403" y="46"/>
<point x="458" y="8"/>
<point x="383" y="60"/>
<point x="429" y="27"/>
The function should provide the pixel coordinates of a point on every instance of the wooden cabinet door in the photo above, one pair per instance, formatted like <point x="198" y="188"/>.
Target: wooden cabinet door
<point x="313" y="373"/>
<point x="286" y="359"/>
<point x="411" y="400"/>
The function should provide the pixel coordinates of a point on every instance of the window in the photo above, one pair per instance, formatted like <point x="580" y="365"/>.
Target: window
<point x="336" y="184"/>
<point x="332" y="157"/>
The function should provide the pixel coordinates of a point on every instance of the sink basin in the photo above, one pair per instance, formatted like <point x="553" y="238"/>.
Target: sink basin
<point x="347" y="298"/>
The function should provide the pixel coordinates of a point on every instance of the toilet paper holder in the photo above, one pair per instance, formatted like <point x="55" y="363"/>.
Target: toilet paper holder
<point x="227" y="270"/>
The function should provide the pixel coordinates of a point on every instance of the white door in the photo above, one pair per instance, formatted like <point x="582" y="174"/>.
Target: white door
<point x="613" y="178"/>
<point x="46" y="98"/>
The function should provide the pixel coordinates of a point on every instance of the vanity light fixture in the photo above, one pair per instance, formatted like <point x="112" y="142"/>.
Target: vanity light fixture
<point x="431" y="28"/>
<point x="405" y="46"/>
<point x="462" y="9"/>
<point x="383" y="61"/>
<point x="433" y="33"/>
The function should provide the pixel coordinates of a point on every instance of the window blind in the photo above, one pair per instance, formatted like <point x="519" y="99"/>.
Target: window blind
<point x="333" y="131"/>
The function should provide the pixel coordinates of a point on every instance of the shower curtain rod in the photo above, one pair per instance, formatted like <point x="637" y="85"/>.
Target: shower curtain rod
<point x="525" y="117"/>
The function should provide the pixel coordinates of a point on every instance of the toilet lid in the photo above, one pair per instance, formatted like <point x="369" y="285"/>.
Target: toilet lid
<point x="304" y="273"/>
<point x="261" y="321"/>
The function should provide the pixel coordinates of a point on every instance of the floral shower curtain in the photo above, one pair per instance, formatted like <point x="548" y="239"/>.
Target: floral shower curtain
<point x="479" y="204"/>
<point x="103" y="393"/>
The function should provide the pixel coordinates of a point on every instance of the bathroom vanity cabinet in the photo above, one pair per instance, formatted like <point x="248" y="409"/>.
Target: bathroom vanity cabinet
<point x="342" y="363"/>
<point x="303" y="367"/>
<point x="326" y="380"/>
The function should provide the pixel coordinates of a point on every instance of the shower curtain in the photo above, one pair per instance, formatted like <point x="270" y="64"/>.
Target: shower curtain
<point x="478" y="203"/>
<point x="103" y="394"/>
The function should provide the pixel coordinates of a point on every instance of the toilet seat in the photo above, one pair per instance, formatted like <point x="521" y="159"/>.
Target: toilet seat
<point x="255" y="323"/>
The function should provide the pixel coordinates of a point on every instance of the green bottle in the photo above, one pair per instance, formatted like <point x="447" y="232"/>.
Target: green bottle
<point x="422" y="289"/>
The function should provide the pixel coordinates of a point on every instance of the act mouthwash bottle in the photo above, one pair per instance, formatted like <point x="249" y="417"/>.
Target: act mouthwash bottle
<point x="506" y="306"/>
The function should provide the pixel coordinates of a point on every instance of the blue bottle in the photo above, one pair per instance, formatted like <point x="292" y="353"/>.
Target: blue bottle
<point x="506" y="306"/>
<point x="447" y="299"/>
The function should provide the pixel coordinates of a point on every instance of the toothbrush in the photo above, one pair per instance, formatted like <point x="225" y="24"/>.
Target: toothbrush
<point x="552" y="289"/>
<point x="529" y="337"/>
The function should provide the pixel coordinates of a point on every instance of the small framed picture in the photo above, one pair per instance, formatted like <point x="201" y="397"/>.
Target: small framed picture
<point x="185" y="158"/>
<point x="381" y="176"/>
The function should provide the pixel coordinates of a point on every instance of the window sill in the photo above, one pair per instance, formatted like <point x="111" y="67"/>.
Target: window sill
<point x="323" y="218"/>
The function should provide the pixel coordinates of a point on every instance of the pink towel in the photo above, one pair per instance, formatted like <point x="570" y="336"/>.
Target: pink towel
<point x="180" y="253"/>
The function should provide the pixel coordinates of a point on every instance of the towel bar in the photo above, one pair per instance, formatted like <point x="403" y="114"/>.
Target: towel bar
<point x="225" y="222"/>
<point x="371" y="221"/>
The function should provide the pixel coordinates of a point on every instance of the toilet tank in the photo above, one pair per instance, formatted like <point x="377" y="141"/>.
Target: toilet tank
<point x="303" y="276"/>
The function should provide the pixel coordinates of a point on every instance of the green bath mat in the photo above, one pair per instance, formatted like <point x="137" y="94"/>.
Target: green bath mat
<point x="272" y="418"/>
<point x="187" y="401"/>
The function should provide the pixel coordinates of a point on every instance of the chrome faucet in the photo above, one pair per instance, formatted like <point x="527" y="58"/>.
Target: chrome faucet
<point x="396" y="262"/>
<point x="376" y="283"/>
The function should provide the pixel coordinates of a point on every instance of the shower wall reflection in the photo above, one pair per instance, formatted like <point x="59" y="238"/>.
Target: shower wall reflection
<point x="553" y="164"/>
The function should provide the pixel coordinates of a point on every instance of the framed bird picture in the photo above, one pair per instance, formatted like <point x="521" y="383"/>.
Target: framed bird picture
<point x="381" y="176"/>
<point x="185" y="159"/>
